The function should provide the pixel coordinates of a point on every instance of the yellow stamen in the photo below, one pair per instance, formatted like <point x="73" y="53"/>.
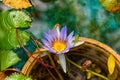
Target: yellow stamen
<point x="59" y="46"/>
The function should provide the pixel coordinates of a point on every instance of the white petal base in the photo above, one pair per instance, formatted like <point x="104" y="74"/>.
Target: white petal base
<point x="62" y="61"/>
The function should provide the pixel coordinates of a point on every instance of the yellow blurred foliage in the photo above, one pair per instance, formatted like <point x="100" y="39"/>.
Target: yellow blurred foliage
<point x="17" y="4"/>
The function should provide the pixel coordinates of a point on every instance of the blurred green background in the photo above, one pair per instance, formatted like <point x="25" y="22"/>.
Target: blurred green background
<point x="86" y="17"/>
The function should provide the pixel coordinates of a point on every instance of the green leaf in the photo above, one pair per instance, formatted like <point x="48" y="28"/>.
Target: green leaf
<point x="14" y="19"/>
<point x="9" y="21"/>
<point x="8" y="39"/>
<point x="3" y="21"/>
<point x="18" y="19"/>
<point x="76" y="39"/>
<point x="23" y="36"/>
<point x="111" y="64"/>
<point x="7" y="59"/>
<point x="16" y="76"/>
<point x="77" y="42"/>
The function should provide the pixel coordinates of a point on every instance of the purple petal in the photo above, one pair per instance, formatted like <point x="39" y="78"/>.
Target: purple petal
<point x="46" y="43"/>
<point x="49" y="32"/>
<point x="48" y="37"/>
<point x="55" y="33"/>
<point x="45" y="47"/>
<point x="71" y="40"/>
<point x="70" y="35"/>
<point x="63" y="33"/>
<point x="68" y="48"/>
<point x="50" y="49"/>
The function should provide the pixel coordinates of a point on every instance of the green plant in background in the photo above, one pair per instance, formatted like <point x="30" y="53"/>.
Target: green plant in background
<point x="86" y="18"/>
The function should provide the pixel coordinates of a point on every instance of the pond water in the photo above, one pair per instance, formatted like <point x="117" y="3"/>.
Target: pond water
<point x="87" y="18"/>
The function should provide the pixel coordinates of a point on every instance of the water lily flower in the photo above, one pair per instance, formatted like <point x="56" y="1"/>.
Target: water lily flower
<point x="58" y="42"/>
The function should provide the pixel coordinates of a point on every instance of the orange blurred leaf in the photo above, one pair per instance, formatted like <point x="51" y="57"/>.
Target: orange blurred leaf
<point x="17" y="4"/>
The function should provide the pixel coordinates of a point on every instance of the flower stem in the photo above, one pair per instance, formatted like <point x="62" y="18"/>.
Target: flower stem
<point x="36" y="41"/>
<point x="53" y="64"/>
<point x="54" y="78"/>
<point x="21" y="44"/>
<point x="78" y="66"/>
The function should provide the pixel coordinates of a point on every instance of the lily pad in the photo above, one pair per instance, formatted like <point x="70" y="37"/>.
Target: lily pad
<point x="16" y="76"/>
<point x="7" y="59"/>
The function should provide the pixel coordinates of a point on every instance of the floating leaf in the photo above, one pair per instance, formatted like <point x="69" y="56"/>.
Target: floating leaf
<point x="111" y="64"/>
<point x="14" y="19"/>
<point x="19" y="19"/>
<point x="9" y="21"/>
<point x="17" y="76"/>
<point x="17" y="4"/>
<point x="7" y="59"/>
<point x="8" y="39"/>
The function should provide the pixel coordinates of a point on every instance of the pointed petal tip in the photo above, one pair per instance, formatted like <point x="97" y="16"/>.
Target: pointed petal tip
<point x="70" y="36"/>
<point x="63" y="33"/>
<point x="64" y="70"/>
<point x="65" y="26"/>
<point x="62" y="61"/>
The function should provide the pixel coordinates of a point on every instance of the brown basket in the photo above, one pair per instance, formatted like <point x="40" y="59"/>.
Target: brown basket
<point x="95" y="50"/>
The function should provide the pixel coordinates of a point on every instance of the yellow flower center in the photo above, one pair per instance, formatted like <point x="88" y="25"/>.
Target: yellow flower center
<point x="59" y="46"/>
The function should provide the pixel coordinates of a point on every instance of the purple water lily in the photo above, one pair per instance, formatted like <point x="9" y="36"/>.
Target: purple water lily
<point x="57" y="41"/>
